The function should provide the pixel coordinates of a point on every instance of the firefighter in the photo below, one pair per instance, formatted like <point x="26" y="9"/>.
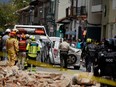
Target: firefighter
<point x="32" y="49"/>
<point x="12" y="49"/>
<point x="22" y="51"/>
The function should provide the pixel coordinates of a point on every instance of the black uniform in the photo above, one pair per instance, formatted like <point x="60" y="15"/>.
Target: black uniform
<point x="107" y="61"/>
<point x="90" y="56"/>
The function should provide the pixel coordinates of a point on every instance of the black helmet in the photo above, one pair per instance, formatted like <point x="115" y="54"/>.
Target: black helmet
<point x="115" y="36"/>
<point x="110" y="43"/>
<point x="114" y="44"/>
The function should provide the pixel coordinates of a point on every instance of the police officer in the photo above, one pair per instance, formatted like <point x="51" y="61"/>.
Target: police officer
<point x="90" y="49"/>
<point x="107" y="60"/>
<point x="64" y="48"/>
<point x="33" y="49"/>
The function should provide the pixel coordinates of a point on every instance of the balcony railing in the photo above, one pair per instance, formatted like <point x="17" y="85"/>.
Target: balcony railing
<point x="71" y="11"/>
<point x="75" y="11"/>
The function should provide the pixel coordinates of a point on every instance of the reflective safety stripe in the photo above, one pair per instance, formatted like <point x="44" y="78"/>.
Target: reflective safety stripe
<point x="33" y="48"/>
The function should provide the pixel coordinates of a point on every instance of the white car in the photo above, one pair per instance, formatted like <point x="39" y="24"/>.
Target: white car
<point x="74" y="55"/>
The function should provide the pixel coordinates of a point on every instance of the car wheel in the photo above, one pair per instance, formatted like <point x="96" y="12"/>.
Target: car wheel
<point x="77" y="67"/>
<point x="71" y="59"/>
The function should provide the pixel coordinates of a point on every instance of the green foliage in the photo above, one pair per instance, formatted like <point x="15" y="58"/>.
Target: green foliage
<point x="8" y="15"/>
<point x="21" y="3"/>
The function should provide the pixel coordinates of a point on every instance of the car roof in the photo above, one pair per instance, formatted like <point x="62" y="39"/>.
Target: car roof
<point x="29" y="26"/>
<point x="55" y="38"/>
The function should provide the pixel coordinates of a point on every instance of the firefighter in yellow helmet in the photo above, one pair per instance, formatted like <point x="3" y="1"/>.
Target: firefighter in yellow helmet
<point x="32" y="49"/>
<point x="12" y="49"/>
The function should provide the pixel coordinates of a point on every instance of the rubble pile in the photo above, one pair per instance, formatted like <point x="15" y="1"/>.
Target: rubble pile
<point x="84" y="79"/>
<point x="12" y="77"/>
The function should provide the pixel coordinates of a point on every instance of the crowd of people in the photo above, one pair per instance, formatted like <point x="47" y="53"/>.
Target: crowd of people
<point x="16" y="48"/>
<point x="91" y="53"/>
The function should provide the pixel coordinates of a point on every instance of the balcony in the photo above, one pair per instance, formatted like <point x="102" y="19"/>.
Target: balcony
<point x="71" y="12"/>
<point x="81" y="13"/>
<point x="76" y="12"/>
<point x="96" y="6"/>
<point x="81" y="10"/>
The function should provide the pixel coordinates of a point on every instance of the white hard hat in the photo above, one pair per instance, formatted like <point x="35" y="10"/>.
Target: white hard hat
<point x="32" y="37"/>
<point x="16" y="30"/>
<point x="27" y="35"/>
<point x="8" y="30"/>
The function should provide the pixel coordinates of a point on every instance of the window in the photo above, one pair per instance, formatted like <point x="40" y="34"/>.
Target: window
<point x="36" y="12"/>
<point x="96" y="2"/>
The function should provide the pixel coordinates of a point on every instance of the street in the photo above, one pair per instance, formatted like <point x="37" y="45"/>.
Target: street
<point x="70" y="71"/>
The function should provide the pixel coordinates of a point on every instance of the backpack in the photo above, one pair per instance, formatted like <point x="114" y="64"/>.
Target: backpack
<point x="22" y="45"/>
<point x="91" y="49"/>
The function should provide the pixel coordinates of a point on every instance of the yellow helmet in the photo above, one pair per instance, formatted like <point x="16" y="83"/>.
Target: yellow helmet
<point x="89" y="40"/>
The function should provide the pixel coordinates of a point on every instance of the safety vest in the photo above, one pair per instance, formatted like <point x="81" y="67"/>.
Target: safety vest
<point x="33" y="48"/>
<point x="22" y="45"/>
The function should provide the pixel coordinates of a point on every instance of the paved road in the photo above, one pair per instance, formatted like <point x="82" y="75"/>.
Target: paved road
<point x="56" y="69"/>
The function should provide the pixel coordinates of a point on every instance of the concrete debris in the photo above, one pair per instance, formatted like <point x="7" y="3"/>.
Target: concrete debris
<point x="83" y="79"/>
<point x="12" y="77"/>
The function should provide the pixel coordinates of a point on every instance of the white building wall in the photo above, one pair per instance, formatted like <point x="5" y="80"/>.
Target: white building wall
<point x="94" y="18"/>
<point x="63" y="4"/>
<point x="61" y="10"/>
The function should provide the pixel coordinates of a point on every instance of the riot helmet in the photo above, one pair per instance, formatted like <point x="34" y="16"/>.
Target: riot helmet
<point x="109" y="43"/>
<point x="114" y="44"/>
